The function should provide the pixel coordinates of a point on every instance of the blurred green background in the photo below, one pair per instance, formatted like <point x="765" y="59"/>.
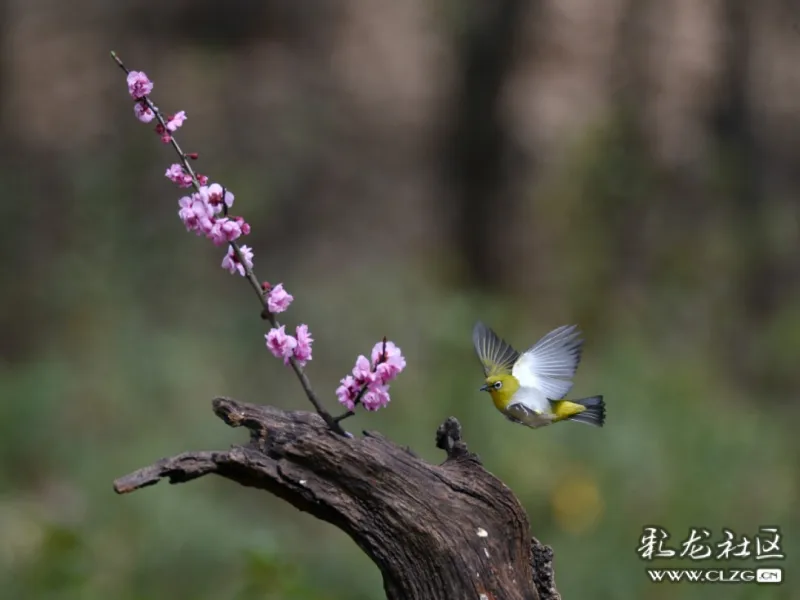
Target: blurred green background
<point x="407" y="168"/>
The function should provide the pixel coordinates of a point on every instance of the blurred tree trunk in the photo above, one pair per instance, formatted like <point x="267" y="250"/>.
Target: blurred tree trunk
<point x="37" y="234"/>
<point x="477" y="141"/>
<point x="731" y="122"/>
<point x="743" y="161"/>
<point x="627" y="215"/>
<point x="4" y="58"/>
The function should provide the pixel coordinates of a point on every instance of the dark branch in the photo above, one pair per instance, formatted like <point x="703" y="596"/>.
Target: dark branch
<point x="178" y="469"/>
<point x="435" y="531"/>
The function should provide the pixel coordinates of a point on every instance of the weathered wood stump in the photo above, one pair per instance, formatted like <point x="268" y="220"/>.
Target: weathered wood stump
<point x="448" y="531"/>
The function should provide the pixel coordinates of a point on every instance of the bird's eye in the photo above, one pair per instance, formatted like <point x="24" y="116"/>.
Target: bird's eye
<point x="498" y="385"/>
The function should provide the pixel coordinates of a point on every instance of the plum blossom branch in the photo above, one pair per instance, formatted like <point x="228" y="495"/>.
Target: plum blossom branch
<point x="206" y="213"/>
<point x="243" y="256"/>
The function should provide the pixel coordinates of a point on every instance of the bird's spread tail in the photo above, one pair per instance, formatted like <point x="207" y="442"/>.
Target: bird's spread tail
<point x="595" y="413"/>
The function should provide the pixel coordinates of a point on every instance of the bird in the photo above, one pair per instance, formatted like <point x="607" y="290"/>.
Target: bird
<point x="529" y="388"/>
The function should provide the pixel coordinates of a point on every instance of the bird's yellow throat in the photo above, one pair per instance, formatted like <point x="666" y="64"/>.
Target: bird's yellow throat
<point x="502" y="388"/>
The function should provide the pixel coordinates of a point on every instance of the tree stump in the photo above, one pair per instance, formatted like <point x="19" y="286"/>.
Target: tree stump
<point x="448" y="531"/>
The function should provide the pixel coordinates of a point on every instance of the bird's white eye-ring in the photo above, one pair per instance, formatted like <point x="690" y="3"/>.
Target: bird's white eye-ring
<point x="497" y="385"/>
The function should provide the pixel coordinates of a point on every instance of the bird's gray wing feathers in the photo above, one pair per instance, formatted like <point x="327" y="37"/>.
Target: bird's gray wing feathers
<point x="518" y="412"/>
<point x="496" y="355"/>
<point x="527" y="415"/>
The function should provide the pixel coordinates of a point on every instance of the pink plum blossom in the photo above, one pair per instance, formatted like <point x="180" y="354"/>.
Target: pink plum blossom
<point x="389" y="363"/>
<point x="231" y="261"/>
<point x="303" y="350"/>
<point x="176" y="120"/>
<point x="176" y="174"/>
<point x="375" y="398"/>
<point x="215" y="200"/>
<point x="139" y="85"/>
<point x="186" y="213"/>
<point x="224" y="231"/>
<point x="198" y="215"/>
<point x="143" y="112"/>
<point x="278" y="299"/>
<point x="347" y="392"/>
<point x="281" y="344"/>
<point x="243" y="225"/>
<point x="362" y="371"/>
<point x="195" y="214"/>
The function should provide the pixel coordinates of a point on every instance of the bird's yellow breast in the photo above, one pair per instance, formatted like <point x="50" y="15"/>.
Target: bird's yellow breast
<point x="501" y="401"/>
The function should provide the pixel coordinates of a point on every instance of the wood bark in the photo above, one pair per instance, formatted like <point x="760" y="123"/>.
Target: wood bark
<point x="435" y="531"/>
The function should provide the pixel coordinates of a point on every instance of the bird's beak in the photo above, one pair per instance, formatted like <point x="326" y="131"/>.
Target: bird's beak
<point x="484" y="388"/>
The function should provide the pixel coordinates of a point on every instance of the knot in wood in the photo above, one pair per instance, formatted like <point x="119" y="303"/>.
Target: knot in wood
<point x="448" y="438"/>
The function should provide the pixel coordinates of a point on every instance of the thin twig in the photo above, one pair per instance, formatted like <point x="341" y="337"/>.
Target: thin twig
<point x="249" y="274"/>
<point x="301" y="375"/>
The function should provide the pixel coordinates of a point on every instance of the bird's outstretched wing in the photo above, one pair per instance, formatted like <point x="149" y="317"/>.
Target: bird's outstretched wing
<point x="551" y="363"/>
<point x="496" y="355"/>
